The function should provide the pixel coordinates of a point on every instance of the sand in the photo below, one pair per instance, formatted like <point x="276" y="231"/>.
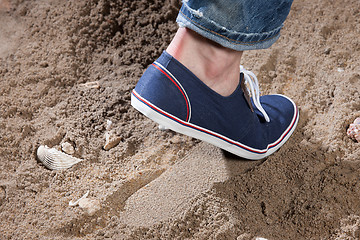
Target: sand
<point x="158" y="184"/>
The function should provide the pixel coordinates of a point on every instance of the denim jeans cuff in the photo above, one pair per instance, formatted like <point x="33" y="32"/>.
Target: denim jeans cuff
<point x="240" y="41"/>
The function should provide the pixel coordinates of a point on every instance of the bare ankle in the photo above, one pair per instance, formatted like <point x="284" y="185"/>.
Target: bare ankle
<point x="216" y="66"/>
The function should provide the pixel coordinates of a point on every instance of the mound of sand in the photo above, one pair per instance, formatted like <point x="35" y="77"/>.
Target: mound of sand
<point x="158" y="184"/>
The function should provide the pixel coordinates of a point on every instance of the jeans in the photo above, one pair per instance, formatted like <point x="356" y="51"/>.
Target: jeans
<point x="236" y="24"/>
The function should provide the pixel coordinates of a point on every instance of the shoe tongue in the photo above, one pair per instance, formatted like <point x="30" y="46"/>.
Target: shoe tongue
<point x="245" y="91"/>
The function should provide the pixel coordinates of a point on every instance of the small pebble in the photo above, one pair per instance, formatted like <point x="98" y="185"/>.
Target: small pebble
<point x="2" y="195"/>
<point x="111" y="140"/>
<point x="354" y="130"/>
<point x="44" y="64"/>
<point x="68" y="148"/>
<point x="327" y="51"/>
<point x="94" y="85"/>
<point x="90" y="206"/>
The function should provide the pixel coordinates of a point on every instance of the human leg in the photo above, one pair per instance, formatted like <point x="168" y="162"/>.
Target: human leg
<point x="236" y="25"/>
<point x="195" y="88"/>
<point x="215" y="65"/>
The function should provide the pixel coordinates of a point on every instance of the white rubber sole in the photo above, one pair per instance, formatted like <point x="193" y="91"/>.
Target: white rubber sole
<point x="166" y="120"/>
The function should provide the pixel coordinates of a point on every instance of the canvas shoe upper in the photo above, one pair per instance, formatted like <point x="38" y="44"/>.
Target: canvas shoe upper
<point x="174" y="97"/>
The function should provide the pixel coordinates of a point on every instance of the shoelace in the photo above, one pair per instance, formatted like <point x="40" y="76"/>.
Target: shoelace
<point x="252" y="81"/>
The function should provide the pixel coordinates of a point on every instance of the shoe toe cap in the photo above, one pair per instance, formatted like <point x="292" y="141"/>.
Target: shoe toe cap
<point x="283" y="114"/>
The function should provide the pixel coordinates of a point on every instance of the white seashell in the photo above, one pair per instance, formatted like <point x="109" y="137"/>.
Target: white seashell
<point x="94" y="85"/>
<point x="108" y="125"/>
<point x="357" y="120"/>
<point x="354" y="130"/>
<point x="111" y="140"/>
<point x="54" y="159"/>
<point x="75" y="203"/>
<point x="67" y="148"/>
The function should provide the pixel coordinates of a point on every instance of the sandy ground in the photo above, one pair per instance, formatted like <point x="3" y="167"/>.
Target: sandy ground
<point x="158" y="184"/>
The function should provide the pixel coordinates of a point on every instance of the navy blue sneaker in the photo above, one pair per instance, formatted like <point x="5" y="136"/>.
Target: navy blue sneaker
<point x="252" y="128"/>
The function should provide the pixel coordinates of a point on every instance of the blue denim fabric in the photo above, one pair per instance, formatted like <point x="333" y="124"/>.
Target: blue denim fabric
<point x="236" y="24"/>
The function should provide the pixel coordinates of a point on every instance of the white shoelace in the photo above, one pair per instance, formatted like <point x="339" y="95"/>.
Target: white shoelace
<point x="252" y="81"/>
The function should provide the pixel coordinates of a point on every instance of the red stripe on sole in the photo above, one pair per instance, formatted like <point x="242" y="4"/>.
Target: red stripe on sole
<point x="213" y="134"/>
